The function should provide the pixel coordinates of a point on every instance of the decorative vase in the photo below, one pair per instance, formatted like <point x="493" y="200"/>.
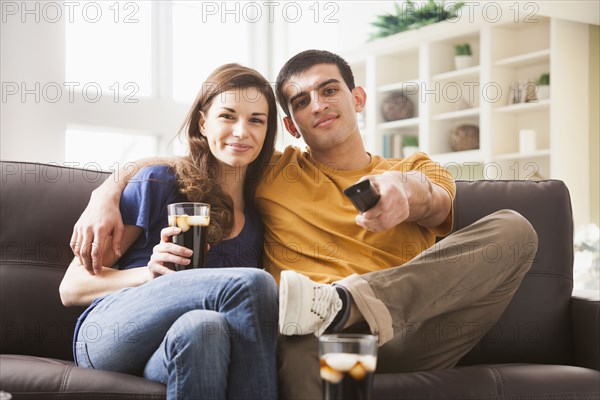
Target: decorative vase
<point x="543" y="92"/>
<point x="464" y="137"/>
<point x="397" y="106"/>
<point x="461" y="62"/>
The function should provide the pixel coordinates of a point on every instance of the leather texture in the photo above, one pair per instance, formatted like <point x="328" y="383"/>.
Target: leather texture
<point x="52" y="376"/>
<point x="40" y="203"/>
<point x="585" y="311"/>
<point x="538" y="317"/>
<point x="491" y="382"/>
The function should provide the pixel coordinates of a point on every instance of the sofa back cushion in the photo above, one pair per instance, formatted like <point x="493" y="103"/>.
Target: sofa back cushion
<point x="39" y="204"/>
<point x="536" y="326"/>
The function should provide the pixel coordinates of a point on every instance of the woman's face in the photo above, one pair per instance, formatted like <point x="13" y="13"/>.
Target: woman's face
<point x="235" y="126"/>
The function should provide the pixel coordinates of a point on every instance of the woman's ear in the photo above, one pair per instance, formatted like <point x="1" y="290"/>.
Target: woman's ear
<point x="201" y="123"/>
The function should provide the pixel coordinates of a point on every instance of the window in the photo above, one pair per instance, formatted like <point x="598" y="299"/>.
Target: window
<point x="96" y="149"/>
<point x="205" y="36"/>
<point x="108" y="47"/>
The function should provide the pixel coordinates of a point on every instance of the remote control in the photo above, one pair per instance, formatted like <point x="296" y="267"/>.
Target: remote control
<point x="363" y="195"/>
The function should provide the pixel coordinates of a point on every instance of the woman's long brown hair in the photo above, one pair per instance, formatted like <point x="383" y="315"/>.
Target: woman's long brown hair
<point x="198" y="172"/>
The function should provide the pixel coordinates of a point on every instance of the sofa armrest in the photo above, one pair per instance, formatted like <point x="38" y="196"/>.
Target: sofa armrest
<point x="585" y="311"/>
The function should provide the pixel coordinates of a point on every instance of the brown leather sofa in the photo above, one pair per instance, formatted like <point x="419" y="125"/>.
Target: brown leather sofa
<point x="545" y="346"/>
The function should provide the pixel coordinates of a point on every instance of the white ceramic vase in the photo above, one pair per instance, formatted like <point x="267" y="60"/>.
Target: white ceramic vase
<point x="543" y="92"/>
<point x="461" y="62"/>
<point x="409" y="150"/>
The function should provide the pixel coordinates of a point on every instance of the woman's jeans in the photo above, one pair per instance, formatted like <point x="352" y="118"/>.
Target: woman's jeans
<point x="205" y="333"/>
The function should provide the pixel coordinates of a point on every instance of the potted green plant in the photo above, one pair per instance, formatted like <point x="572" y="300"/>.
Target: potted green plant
<point x="543" y="86"/>
<point x="411" y="15"/>
<point x="410" y="145"/>
<point x="463" y="57"/>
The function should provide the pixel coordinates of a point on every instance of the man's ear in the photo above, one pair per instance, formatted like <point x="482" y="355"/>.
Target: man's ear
<point x="290" y="127"/>
<point x="201" y="123"/>
<point x="360" y="98"/>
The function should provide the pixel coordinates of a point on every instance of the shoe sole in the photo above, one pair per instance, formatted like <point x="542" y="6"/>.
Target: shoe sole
<point x="289" y="287"/>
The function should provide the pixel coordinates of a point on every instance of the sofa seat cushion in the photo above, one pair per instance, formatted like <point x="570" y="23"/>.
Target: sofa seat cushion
<point x="28" y="377"/>
<point x="492" y="382"/>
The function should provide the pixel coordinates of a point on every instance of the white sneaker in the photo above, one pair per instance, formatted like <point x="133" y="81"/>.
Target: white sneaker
<point x="305" y="306"/>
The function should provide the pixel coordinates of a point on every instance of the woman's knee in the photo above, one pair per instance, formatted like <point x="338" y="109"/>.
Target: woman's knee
<point x="197" y="340"/>
<point x="201" y="327"/>
<point x="259" y="282"/>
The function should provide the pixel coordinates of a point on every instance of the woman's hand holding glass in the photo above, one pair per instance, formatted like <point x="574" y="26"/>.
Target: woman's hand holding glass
<point x="166" y="253"/>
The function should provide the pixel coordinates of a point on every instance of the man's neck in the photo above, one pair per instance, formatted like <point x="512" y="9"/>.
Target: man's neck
<point x="350" y="156"/>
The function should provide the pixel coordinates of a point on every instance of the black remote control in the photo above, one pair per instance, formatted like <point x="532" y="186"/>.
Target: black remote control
<point x="363" y="195"/>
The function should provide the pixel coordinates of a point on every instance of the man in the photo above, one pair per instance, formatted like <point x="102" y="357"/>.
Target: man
<point x="388" y="276"/>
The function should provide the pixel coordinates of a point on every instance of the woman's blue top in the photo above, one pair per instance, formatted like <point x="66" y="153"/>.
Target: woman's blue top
<point x="144" y="204"/>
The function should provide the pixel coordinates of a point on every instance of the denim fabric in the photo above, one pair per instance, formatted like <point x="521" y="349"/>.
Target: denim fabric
<point x="205" y="333"/>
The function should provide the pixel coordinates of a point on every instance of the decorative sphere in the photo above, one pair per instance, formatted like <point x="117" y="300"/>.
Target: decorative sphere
<point x="397" y="106"/>
<point x="464" y="137"/>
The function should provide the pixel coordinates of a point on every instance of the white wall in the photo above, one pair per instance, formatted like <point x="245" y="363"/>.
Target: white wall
<point x="594" y="125"/>
<point x="586" y="11"/>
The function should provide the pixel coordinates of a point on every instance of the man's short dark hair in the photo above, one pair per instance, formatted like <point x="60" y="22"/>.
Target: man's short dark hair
<point x="305" y="60"/>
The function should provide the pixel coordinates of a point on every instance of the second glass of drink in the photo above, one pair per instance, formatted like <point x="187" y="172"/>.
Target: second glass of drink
<point x="193" y="220"/>
<point x="348" y="364"/>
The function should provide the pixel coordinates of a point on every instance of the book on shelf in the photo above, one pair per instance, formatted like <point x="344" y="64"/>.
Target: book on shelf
<point x="394" y="145"/>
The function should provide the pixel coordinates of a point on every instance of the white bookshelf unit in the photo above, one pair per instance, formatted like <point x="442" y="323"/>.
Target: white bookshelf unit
<point x="420" y="63"/>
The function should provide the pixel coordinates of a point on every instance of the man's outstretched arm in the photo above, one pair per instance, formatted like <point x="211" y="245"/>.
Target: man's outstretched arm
<point x="405" y="196"/>
<point x="102" y="218"/>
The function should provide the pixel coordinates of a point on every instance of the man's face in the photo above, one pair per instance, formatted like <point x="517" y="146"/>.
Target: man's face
<point x="323" y="109"/>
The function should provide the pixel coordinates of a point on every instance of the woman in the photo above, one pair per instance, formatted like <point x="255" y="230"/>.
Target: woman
<point x="205" y="333"/>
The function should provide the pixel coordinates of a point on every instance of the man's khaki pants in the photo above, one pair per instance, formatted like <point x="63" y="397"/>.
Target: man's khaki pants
<point x="431" y="311"/>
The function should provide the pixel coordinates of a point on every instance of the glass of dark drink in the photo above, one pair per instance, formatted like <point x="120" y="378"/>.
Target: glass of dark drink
<point x="348" y="364"/>
<point x="193" y="220"/>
